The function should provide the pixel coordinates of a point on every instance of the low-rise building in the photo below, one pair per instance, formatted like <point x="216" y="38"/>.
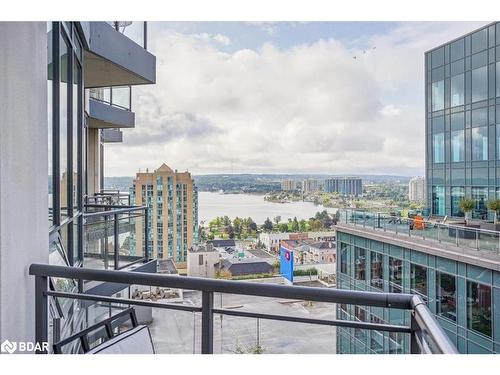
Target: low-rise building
<point x="272" y="241"/>
<point x="245" y="266"/>
<point x="202" y="261"/>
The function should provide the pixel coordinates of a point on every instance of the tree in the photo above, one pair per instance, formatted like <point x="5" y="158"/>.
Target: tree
<point x="277" y="219"/>
<point x="467" y="205"/>
<point x="295" y="225"/>
<point x="226" y="221"/>
<point x="230" y="231"/>
<point x="303" y="226"/>
<point x="494" y="205"/>
<point x="283" y="227"/>
<point x="237" y="225"/>
<point x="268" y="225"/>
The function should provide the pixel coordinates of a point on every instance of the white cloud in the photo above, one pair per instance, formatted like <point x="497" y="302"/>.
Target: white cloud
<point x="307" y="108"/>
<point x="222" y="39"/>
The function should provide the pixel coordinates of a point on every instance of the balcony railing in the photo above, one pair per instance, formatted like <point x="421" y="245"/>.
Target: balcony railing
<point x="108" y="197"/>
<point x="134" y="30"/>
<point x="424" y="333"/>
<point x="118" y="96"/>
<point x="114" y="235"/>
<point x="455" y="235"/>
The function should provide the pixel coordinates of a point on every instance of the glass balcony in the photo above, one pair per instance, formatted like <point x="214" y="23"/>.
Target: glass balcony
<point x="118" y="96"/>
<point x="134" y="30"/>
<point x="461" y="236"/>
<point x="113" y="233"/>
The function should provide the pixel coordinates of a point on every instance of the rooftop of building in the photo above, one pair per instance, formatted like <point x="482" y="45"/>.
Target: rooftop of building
<point x="201" y="249"/>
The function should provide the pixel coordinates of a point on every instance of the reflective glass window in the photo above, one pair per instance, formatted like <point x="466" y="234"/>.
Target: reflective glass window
<point x="480" y="195"/>
<point x="457" y="194"/>
<point x="395" y="275"/>
<point x="438" y="200"/>
<point x="438" y="95"/>
<point x="480" y="143"/>
<point x="418" y="280"/>
<point x="479" y="308"/>
<point x="457" y="146"/>
<point x="438" y="147"/>
<point x="446" y="297"/>
<point x="377" y="279"/>
<point x="457" y="90"/>
<point x="479" y="84"/>
<point x="359" y="263"/>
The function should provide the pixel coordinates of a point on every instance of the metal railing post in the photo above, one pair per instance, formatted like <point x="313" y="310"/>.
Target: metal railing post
<point x="438" y="238"/>
<point x="41" y="314"/>
<point x="414" y="343"/>
<point x="477" y="239"/>
<point x="105" y="242"/>
<point x="456" y="236"/>
<point x="146" y="233"/>
<point x="116" y="235"/>
<point x="207" y="323"/>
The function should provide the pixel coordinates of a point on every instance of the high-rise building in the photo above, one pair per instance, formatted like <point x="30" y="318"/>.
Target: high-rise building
<point x="347" y="186"/>
<point x="172" y="199"/>
<point x="310" y="185"/>
<point x="416" y="190"/>
<point x="462" y="83"/>
<point x="288" y="185"/>
<point x="454" y="269"/>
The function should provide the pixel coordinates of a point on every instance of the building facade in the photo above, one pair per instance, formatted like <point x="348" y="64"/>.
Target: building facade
<point x="416" y="190"/>
<point x="52" y="151"/>
<point x="172" y="200"/>
<point x="310" y="185"/>
<point x="347" y="186"/>
<point x="463" y="291"/>
<point x="202" y="261"/>
<point x="463" y="122"/>
<point x="288" y="185"/>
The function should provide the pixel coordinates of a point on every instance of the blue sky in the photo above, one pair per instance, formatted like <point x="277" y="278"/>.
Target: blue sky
<point x="283" y="97"/>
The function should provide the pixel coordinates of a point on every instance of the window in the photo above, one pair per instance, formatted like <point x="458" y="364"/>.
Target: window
<point x="457" y="194"/>
<point x="479" y="308"/>
<point x="437" y="95"/>
<point x="480" y="143"/>
<point x="457" y="90"/>
<point x="457" y="146"/>
<point x="479" y="84"/>
<point x="50" y="121"/>
<point x="498" y="78"/>
<point x="480" y="195"/>
<point x="438" y="200"/>
<point x="438" y="147"/>
<point x="376" y="277"/>
<point x="63" y="128"/>
<point x="344" y="262"/>
<point x="446" y="296"/>
<point x="359" y="263"/>
<point x="360" y="315"/>
<point x="395" y="275"/>
<point x="418" y="280"/>
<point x="200" y="259"/>
<point x="498" y="141"/>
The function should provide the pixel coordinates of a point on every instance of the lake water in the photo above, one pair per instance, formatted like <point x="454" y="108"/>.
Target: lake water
<point x="211" y="205"/>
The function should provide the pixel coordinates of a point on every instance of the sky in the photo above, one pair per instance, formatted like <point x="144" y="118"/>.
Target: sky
<point x="283" y="97"/>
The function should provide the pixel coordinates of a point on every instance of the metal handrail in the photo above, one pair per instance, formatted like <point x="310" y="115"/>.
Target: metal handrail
<point x="427" y="335"/>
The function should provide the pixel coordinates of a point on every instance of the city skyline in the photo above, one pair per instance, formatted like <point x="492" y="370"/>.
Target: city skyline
<point x="268" y="83"/>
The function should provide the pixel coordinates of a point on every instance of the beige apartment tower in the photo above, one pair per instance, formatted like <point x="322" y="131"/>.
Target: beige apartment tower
<point x="172" y="222"/>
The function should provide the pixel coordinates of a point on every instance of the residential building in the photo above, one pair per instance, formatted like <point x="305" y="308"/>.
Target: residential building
<point x="310" y="185"/>
<point x="346" y="186"/>
<point x="52" y="142"/>
<point x="454" y="269"/>
<point x="416" y="190"/>
<point x="272" y="241"/>
<point x="172" y="200"/>
<point x="455" y="275"/>
<point x="288" y="185"/>
<point x="245" y="266"/>
<point x="462" y="81"/>
<point x="310" y="251"/>
<point x="202" y="261"/>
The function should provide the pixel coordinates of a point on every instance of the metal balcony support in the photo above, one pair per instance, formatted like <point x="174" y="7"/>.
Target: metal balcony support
<point x="207" y="323"/>
<point x="41" y="312"/>
<point x="116" y="237"/>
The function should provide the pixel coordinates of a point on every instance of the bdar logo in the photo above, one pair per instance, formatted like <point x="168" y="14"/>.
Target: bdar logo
<point x="9" y="347"/>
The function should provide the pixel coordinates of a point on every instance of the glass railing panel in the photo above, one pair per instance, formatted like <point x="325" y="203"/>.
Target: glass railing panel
<point x="134" y="30"/>
<point x="121" y="97"/>
<point x="99" y="242"/>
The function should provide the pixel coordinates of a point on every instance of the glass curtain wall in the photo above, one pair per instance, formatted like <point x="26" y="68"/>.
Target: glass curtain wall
<point x="65" y="122"/>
